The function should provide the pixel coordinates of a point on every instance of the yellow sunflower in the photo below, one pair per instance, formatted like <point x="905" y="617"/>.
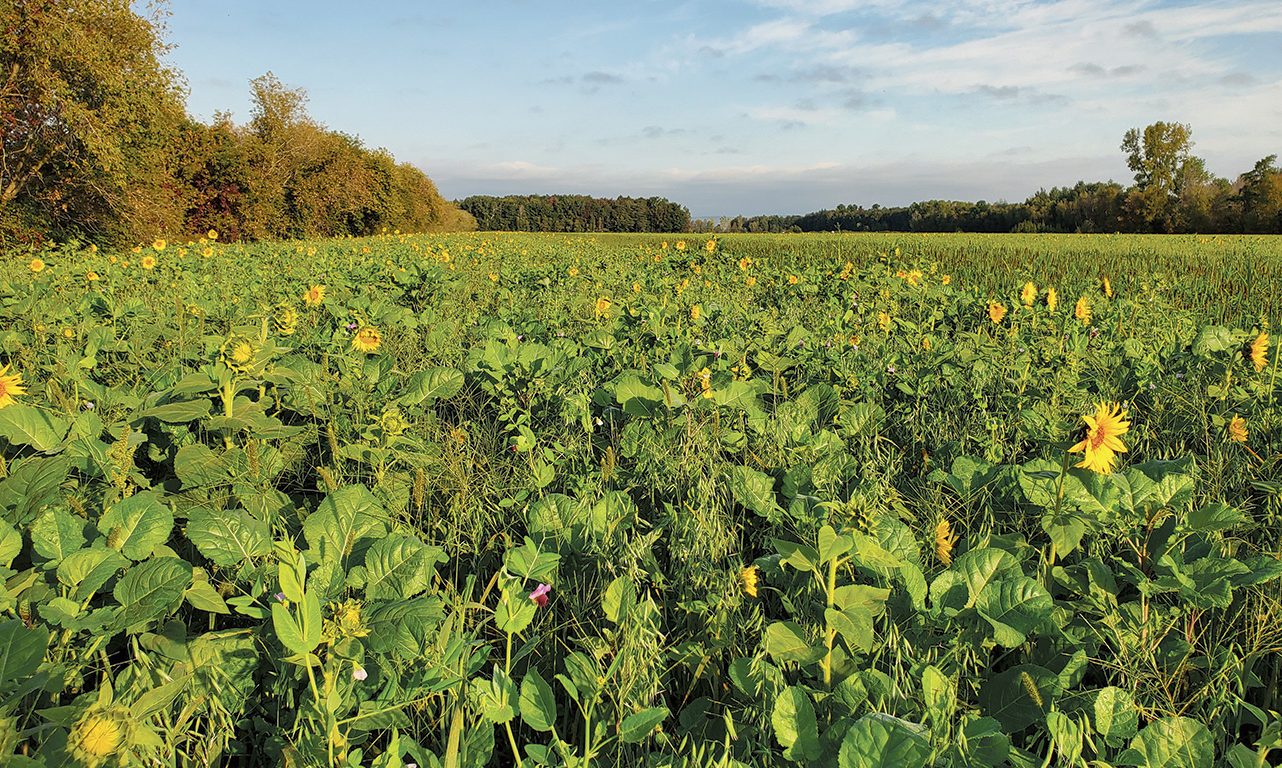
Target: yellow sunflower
<point x="367" y="340"/>
<point x="1108" y="288"/>
<point x="602" y="308"/>
<point x="91" y="276"/>
<point x="37" y="265"/>
<point x="749" y="578"/>
<point x="945" y="540"/>
<point x="148" y="262"/>
<point x="101" y="735"/>
<point x="1237" y="429"/>
<point x="996" y="311"/>
<point x="158" y="245"/>
<point x="1082" y="311"/>
<point x="314" y="296"/>
<point x="212" y="234"/>
<point x="1260" y="351"/>
<point x="1029" y="294"/>
<point x="1102" y="442"/>
<point x="1052" y="299"/>
<point x="10" y="386"/>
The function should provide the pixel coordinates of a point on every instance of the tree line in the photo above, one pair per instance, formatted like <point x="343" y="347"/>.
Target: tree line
<point x="1172" y="193"/>
<point x="576" y="213"/>
<point x="96" y="144"/>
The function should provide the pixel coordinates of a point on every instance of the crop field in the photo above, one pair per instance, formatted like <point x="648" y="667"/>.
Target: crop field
<point x="855" y="500"/>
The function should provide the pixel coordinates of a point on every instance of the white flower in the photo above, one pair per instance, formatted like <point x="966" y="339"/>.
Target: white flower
<point x="359" y="673"/>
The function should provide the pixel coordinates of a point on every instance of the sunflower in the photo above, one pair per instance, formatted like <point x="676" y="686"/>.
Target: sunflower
<point x="158" y="245"/>
<point x="746" y="262"/>
<point x="314" y="296"/>
<point x="749" y="578"/>
<point x="238" y="353"/>
<point x="1102" y="442"/>
<point x="1052" y="299"/>
<point x="750" y="281"/>
<point x="945" y="540"/>
<point x="37" y="265"/>
<point x="705" y="381"/>
<point x="883" y="321"/>
<point x="695" y="313"/>
<point x="846" y="271"/>
<point x="710" y="246"/>
<point x="1082" y="311"/>
<point x="1260" y="351"/>
<point x="367" y="340"/>
<point x="1237" y="429"/>
<point x="212" y="234"/>
<point x="946" y="279"/>
<point x="91" y="276"/>
<point x="1108" y="288"/>
<point x="148" y="262"/>
<point x="10" y="386"/>
<point x="996" y="311"/>
<point x="681" y="245"/>
<point x="1029" y="294"/>
<point x="636" y="287"/>
<point x="285" y="319"/>
<point x="573" y="271"/>
<point x="793" y="279"/>
<point x="602" y="308"/>
<point x="101" y="735"/>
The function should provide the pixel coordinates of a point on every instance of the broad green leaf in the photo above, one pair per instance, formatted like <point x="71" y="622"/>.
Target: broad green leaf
<point x="398" y="567"/>
<point x="637" y="398"/>
<point x="854" y="624"/>
<point x="179" y="412"/>
<point x="636" y="727"/>
<point x="754" y="490"/>
<point x="832" y="546"/>
<point x="515" y="610"/>
<point x="1174" y="742"/>
<point x="619" y="599"/>
<point x="432" y="385"/>
<point x="537" y="703"/>
<point x="1065" y="529"/>
<point x="793" y="718"/>
<point x="21" y="650"/>
<point x="939" y="692"/>
<point x="228" y="537"/>
<point x="152" y="589"/>
<point x="786" y="641"/>
<point x="56" y="534"/>
<point x="137" y="525"/>
<point x="986" y="744"/>
<point x="345" y="518"/>
<point x="197" y="466"/>
<point x="883" y="741"/>
<point x="980" y="567"/>
<point x="10" y="544"/>
<point x="1015" y="607"/>
<point x="497" y="698"/>
<point x="33" y="485"/>
<point x="1019" y="696"/>
<point x="35" y="427"/>
<point x="87" y="570"/>
<point x="287" y="629"/>
<point x="1116" y="717"/>
<point x="1215" y="517"/>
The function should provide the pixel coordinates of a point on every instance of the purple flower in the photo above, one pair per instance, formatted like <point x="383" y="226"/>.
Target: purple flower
<point x="351" y="326"/>
<point x="540" y="594"/>
<point x="280" y="597"/>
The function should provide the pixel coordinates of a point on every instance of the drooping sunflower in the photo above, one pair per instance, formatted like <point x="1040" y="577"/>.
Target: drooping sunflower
<point x="749" y="577"/>
<point x="285" y="320"/>
<point x="883" y="321"/>
<point x="1260" y="351"/>
<point x="695" y="313"/>
<point x="1082" y="311"/>
<point x="367" y="340"/>
<point x="1029" y="294"/>
<point x="1237" y="429"/>
<point x="10" y="386"/>
<point x="314" y="295"/>
<point x="705" y="382"/>
<point x="1108" y="288"/>
<point x="1103" y="438"/>
<point x="996" y="311"/>
<point x="945" y="540"/>
<point x="1052" y="299"/>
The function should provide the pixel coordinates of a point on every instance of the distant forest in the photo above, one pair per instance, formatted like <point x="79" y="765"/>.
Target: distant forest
<point x="95" y="144"/>
<point x="1172" y="193"/>
<point x="576" y="213"/>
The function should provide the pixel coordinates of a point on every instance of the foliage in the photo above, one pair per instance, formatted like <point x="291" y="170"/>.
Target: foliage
<point x="554" y="516"/>
<point x="576" y="213"/>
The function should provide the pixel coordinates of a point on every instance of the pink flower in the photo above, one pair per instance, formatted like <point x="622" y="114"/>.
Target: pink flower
<point x="540" y="594"/>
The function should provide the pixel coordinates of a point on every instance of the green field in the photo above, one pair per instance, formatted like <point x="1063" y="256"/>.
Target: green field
<point x="572" y="500"/>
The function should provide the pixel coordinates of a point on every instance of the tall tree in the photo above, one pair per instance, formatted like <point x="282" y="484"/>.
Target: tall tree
<point x="88" y="120"/>
<point x="1161" y="158"/>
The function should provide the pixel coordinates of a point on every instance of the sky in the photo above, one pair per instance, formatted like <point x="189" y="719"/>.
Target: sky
<point x="754" y="106"/>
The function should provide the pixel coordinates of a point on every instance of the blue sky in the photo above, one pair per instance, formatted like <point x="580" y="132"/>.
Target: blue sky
<point x="754" y="106"/>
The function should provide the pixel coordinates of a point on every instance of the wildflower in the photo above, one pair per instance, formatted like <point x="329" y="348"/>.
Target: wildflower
<point x="37" y="265"/>
<point x="1108" y="288"/>
<point x="1029" y="294"/>
<point x="945" y="540"/>
<point x="1237" y="429"/>
<point x="148" y="262"/>
<point x="996" y="311"/>
<point x="10" y="386"/>
<point x="1102" y="441"/>
<point x="207" y="252"/>
<point x="158" y="245"/>
<point x="705" y="382"/>
<point x="279" y="596"/>
<point x="1260" y="351"/>
<point x="926" y="343"/>
<point x="367" y="340"/>
<point x="913" y="276"/>
<point x="101" y="735"/>
<point x="793" y="279"/>
<point x="749" y="578"/>
<point x="883" y="321"/>
<point x="602" y="307"/>
<point x="494" y="277"/>
<point x="1052" y="299"/>
<point x="285" y="320"/>
<point x="314" y="295"/>
<point x="68" y="333"/>
<point x="1082" y="311"/>
<point x="540" y="594"/>
<point x="846" y="271"/>
<point x="636" y="287"/>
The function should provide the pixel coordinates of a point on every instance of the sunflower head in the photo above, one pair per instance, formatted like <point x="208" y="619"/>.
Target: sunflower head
<point x="1237" y="429"/>
<point x="102" y="735"/>
<point x="285" y="319"/>
<point x="1103" y="438"/>
<point x="996" y="311"/>
<point x="10" y="386"/>
<point x="1052" y="299"/>
<point x="1082" y="311"/>
<point x="1260" y="351"/>
<point x="749" y="577"/>
<point x="36" y="265"/>
<point x="602" y="308"/>
<point x="239" y="353"/>
<point x="945" y="540"/>
<point x="1108" y="288"/>
<point x="148" y="262"/>
<point x="367" y="340"/>
<point x="158" y="245"/>
<point x="1029" y="294"/>
<point x="314" y="295"/>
